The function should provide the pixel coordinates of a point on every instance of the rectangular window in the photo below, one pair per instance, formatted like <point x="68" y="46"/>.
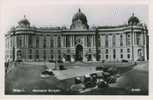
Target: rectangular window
<point x="121" y="56"/>
<point x="121" y="50"/>
<point x="51" y="42"/>
<point x="30" y="54"/>
<point x="37" y="54"/>
<point x="44" y="42"/>
<point x="114" y="38"/>
<point x="138" y="38"/>
<point x="128" y="50"/>
<point x="106" y="51"/>
<point x="19" y="42"/>
<point x="67" y="41"/>
<point x="88" y="41"/>
<point x="106" y="56"/>
<point x="37" y="42"/>
<point x="114" y="53"/>
<point x="59" y="42"/>
<point x="127" y="39"/>
<point x="106" y="41"/>
<point x="121" y="40"/>
<point x="30" y="41"/>
<point x="128" y="56"/>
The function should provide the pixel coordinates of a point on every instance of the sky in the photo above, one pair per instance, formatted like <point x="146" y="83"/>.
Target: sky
<point x="45" y="13"/>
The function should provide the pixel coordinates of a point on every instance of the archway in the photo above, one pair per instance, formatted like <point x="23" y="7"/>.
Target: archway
<point x="79" y="53"/>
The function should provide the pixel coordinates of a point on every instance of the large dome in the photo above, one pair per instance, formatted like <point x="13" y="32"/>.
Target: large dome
<point x="80" y="16"/>
<point x="79" y="21"/>
<point x="133" y="20"/>
<point x="24" y="21"/>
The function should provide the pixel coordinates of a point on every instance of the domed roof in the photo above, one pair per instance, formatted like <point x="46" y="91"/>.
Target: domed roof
<point x="133" y="19"/>
<point x="24" y="21"/>
<point x="80" y="16"/>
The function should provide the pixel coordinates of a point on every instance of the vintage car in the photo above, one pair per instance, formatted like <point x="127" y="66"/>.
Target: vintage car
<point x="47" y="73"/>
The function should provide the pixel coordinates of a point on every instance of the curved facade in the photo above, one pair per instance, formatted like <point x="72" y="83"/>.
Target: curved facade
<point x="78" y="43"/>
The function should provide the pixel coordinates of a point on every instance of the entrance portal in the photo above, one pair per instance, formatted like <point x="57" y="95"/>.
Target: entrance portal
<point x="79" y="53"/>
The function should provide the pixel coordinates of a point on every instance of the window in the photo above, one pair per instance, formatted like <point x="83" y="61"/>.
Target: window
<point x="114" y="38"/>
<point x="106" y="41"/>
<point x="106" y="50"/>
<point x="121" y="56"/>
<point x="51" y="42"/>
<point x="89" y="57"/>
<point x="106" y="56"/>
<point x="51" y="56"/>
<point x="59" y="41"/>
<point x="88" y="41"/>
<point x="30" y="41"/>
<point x="128" y="56"/>
<point x="114" y="53"/>
<point x="30" y="54"/>
<point x="121" y="50"/>
<point x="67" y="41"/>
<point x="37" y="54"/>
<point x="121" y="40"/>
<point x="114" y="56"/>
<point x="139" y="52"/>
<point x="59" y="55"/>
<point x="44" y="42"/>
<point x="19" y="42"/>
<point x="128" y="39"/>
<point x="138" y="39"/>
<point x="128" y="50"/>
<point x="37" y="42"/>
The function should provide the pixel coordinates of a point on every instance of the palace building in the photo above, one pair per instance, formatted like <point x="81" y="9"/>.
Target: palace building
<point x="80" y="42"/>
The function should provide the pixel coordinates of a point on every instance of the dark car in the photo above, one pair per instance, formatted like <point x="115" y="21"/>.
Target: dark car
<point x="46" y="74"/>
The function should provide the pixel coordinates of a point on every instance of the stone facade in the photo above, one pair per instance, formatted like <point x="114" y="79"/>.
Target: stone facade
<point x="128" y="42"/>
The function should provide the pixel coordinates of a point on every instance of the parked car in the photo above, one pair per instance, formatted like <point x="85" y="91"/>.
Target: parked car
<point x="100" y="67"/>
<point x="46" y="73"/>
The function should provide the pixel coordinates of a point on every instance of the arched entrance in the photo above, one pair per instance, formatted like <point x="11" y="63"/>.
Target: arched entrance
<point x="79" y="53"/>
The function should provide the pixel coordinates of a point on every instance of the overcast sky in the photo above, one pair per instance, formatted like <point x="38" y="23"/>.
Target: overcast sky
<point x="58" y="14"/>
